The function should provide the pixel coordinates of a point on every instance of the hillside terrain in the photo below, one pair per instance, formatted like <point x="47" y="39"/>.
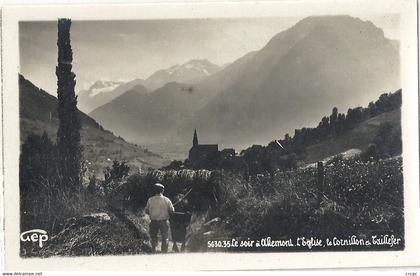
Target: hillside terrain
<point x="142" y="117"/>
<point x="192" y="71"/>
<point x="357" y="139"/>
<point x="92" y="98"/>
<point x="102" y="93"/>
<point x="38" y="113"/>
<point x="318" y="63"/>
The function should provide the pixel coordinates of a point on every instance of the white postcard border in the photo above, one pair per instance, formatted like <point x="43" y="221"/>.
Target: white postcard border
<point x="213" y="261"/>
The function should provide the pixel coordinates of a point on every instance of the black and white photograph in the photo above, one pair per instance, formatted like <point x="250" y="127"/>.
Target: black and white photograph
<point x="222" y="134"/>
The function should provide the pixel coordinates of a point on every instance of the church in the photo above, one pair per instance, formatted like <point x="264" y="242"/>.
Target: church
<point x="207" y="155"/>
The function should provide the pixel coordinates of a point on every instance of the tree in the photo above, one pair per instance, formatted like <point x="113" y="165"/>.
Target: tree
<point x="68" y="134"/>
<point x="371" y="153"/>
<point x="114" y="175"/>
<point x="37" y="182"/>
<point x="333" y="121"/>
<point x="118" y="171"/>
<point x="388" y="140"/>
<point x="341" y="121"/>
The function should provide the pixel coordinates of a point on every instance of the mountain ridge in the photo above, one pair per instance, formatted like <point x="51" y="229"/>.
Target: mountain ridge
<point x="296" y="77"/>
<point x="189" y="72"/>
<point x="38" y="113"/>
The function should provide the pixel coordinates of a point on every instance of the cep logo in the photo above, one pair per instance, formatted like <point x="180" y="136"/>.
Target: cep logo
<point x="34" y="235"/>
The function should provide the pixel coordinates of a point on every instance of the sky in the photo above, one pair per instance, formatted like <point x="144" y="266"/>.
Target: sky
<point x="126" y="50"/>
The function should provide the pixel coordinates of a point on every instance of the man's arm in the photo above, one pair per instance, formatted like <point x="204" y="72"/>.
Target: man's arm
<point x="170" y="207"/>
<point x="147" y="207"/>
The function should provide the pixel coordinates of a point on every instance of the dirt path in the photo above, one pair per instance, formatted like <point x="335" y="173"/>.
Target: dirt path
<point x="139" y="223"/>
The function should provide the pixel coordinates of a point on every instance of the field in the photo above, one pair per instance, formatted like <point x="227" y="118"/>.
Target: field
<point x="358" y="138"/>
<point x="353" y="198"/>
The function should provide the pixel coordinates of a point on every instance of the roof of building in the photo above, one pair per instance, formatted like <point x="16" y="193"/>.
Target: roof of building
<point x="207" y="147"/>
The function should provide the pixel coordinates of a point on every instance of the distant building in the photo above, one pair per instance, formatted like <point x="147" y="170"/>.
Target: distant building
<point x="203" y="154"/>
<point x="208" y="156"/>
<point x="227" y="153"/>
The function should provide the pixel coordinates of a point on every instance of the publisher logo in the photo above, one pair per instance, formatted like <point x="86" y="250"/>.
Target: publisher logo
<point x="35" y="235"/>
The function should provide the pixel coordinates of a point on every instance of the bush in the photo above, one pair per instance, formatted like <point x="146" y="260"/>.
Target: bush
<point x="201" y="186"/>
<point x="370" y="154"/>
<point x="113" y="175"/>
<point x="46" y="198"/>
<point x="357" y="198"/>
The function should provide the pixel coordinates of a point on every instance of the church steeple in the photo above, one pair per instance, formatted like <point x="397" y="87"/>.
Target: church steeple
<point x="195" y="139"/>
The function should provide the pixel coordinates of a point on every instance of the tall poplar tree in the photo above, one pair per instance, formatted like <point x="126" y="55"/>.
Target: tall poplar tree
<point x="68" y="134"/>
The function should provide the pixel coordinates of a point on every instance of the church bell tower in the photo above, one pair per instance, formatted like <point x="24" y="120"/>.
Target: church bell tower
<point x="195" y="138"/>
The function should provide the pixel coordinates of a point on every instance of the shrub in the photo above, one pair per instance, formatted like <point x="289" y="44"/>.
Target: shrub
<point x="46" y="197"/>
<point x="200" y="186"/>
<point x="357" y="198"/>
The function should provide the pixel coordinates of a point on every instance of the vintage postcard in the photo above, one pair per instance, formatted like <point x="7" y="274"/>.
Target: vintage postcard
<point x="211" y="135"/>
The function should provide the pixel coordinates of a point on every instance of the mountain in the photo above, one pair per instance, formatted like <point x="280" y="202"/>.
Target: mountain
<point x="191" y="71"/>
<point x="296" y="78"/>
<point x="102" y="92"/>
<point x="318" y="63"/>
<point x="133" y="116"/>
<point x="142" y="117"/>
<point x="38" y="113"/>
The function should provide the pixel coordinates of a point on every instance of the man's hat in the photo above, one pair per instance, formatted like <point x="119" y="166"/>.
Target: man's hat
<point x="159" y="186"/>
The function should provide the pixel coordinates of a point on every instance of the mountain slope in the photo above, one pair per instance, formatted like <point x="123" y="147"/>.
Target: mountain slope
<point x="191" y="71"/>
<point x="357" y="139"/>
<point x="318" y="63"/>
<point x="297" y="76"/>
<point x="143" y="117"/>
<point x="101" y="93"/>
<point x="131" y="115"/>
<point x="38" y="113"/>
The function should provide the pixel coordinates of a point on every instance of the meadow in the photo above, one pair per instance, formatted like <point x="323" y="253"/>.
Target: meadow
<point x="361" y="198"/>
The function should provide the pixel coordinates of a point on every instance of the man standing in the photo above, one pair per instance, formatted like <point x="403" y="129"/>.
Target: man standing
<point x="159" y="208"/>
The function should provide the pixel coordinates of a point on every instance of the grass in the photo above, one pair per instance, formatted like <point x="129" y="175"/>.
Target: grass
<point x="358" y="138"/>
<point x="100" y="147"/>
<point x="356" y="198"/>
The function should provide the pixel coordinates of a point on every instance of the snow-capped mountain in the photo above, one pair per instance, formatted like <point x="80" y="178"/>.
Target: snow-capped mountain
<point x="296" y="78"/>
<point x="102" y="87"/>
<point x="96" y="95"/>
<point x="189" y="72"/>
<point x="102" y="92"/>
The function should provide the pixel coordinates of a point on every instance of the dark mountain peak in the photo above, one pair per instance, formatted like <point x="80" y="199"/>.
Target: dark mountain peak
<point x="130" y="96"/>
<point x="171" y="85"/>
<point x="139" y="88"/>
<point x="102" y="92"/>
<point x="343" y="26"/>
<point x="319" y="62"/>
<point x="98" y="84"/>
<point x="200" y="62"/>
<point x="331" y="20"/>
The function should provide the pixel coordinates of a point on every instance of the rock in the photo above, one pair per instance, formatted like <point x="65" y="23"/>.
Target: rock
<point x="212" y="222"/>
<point x="98" y="217"/>
<point x="209" y="233"/>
